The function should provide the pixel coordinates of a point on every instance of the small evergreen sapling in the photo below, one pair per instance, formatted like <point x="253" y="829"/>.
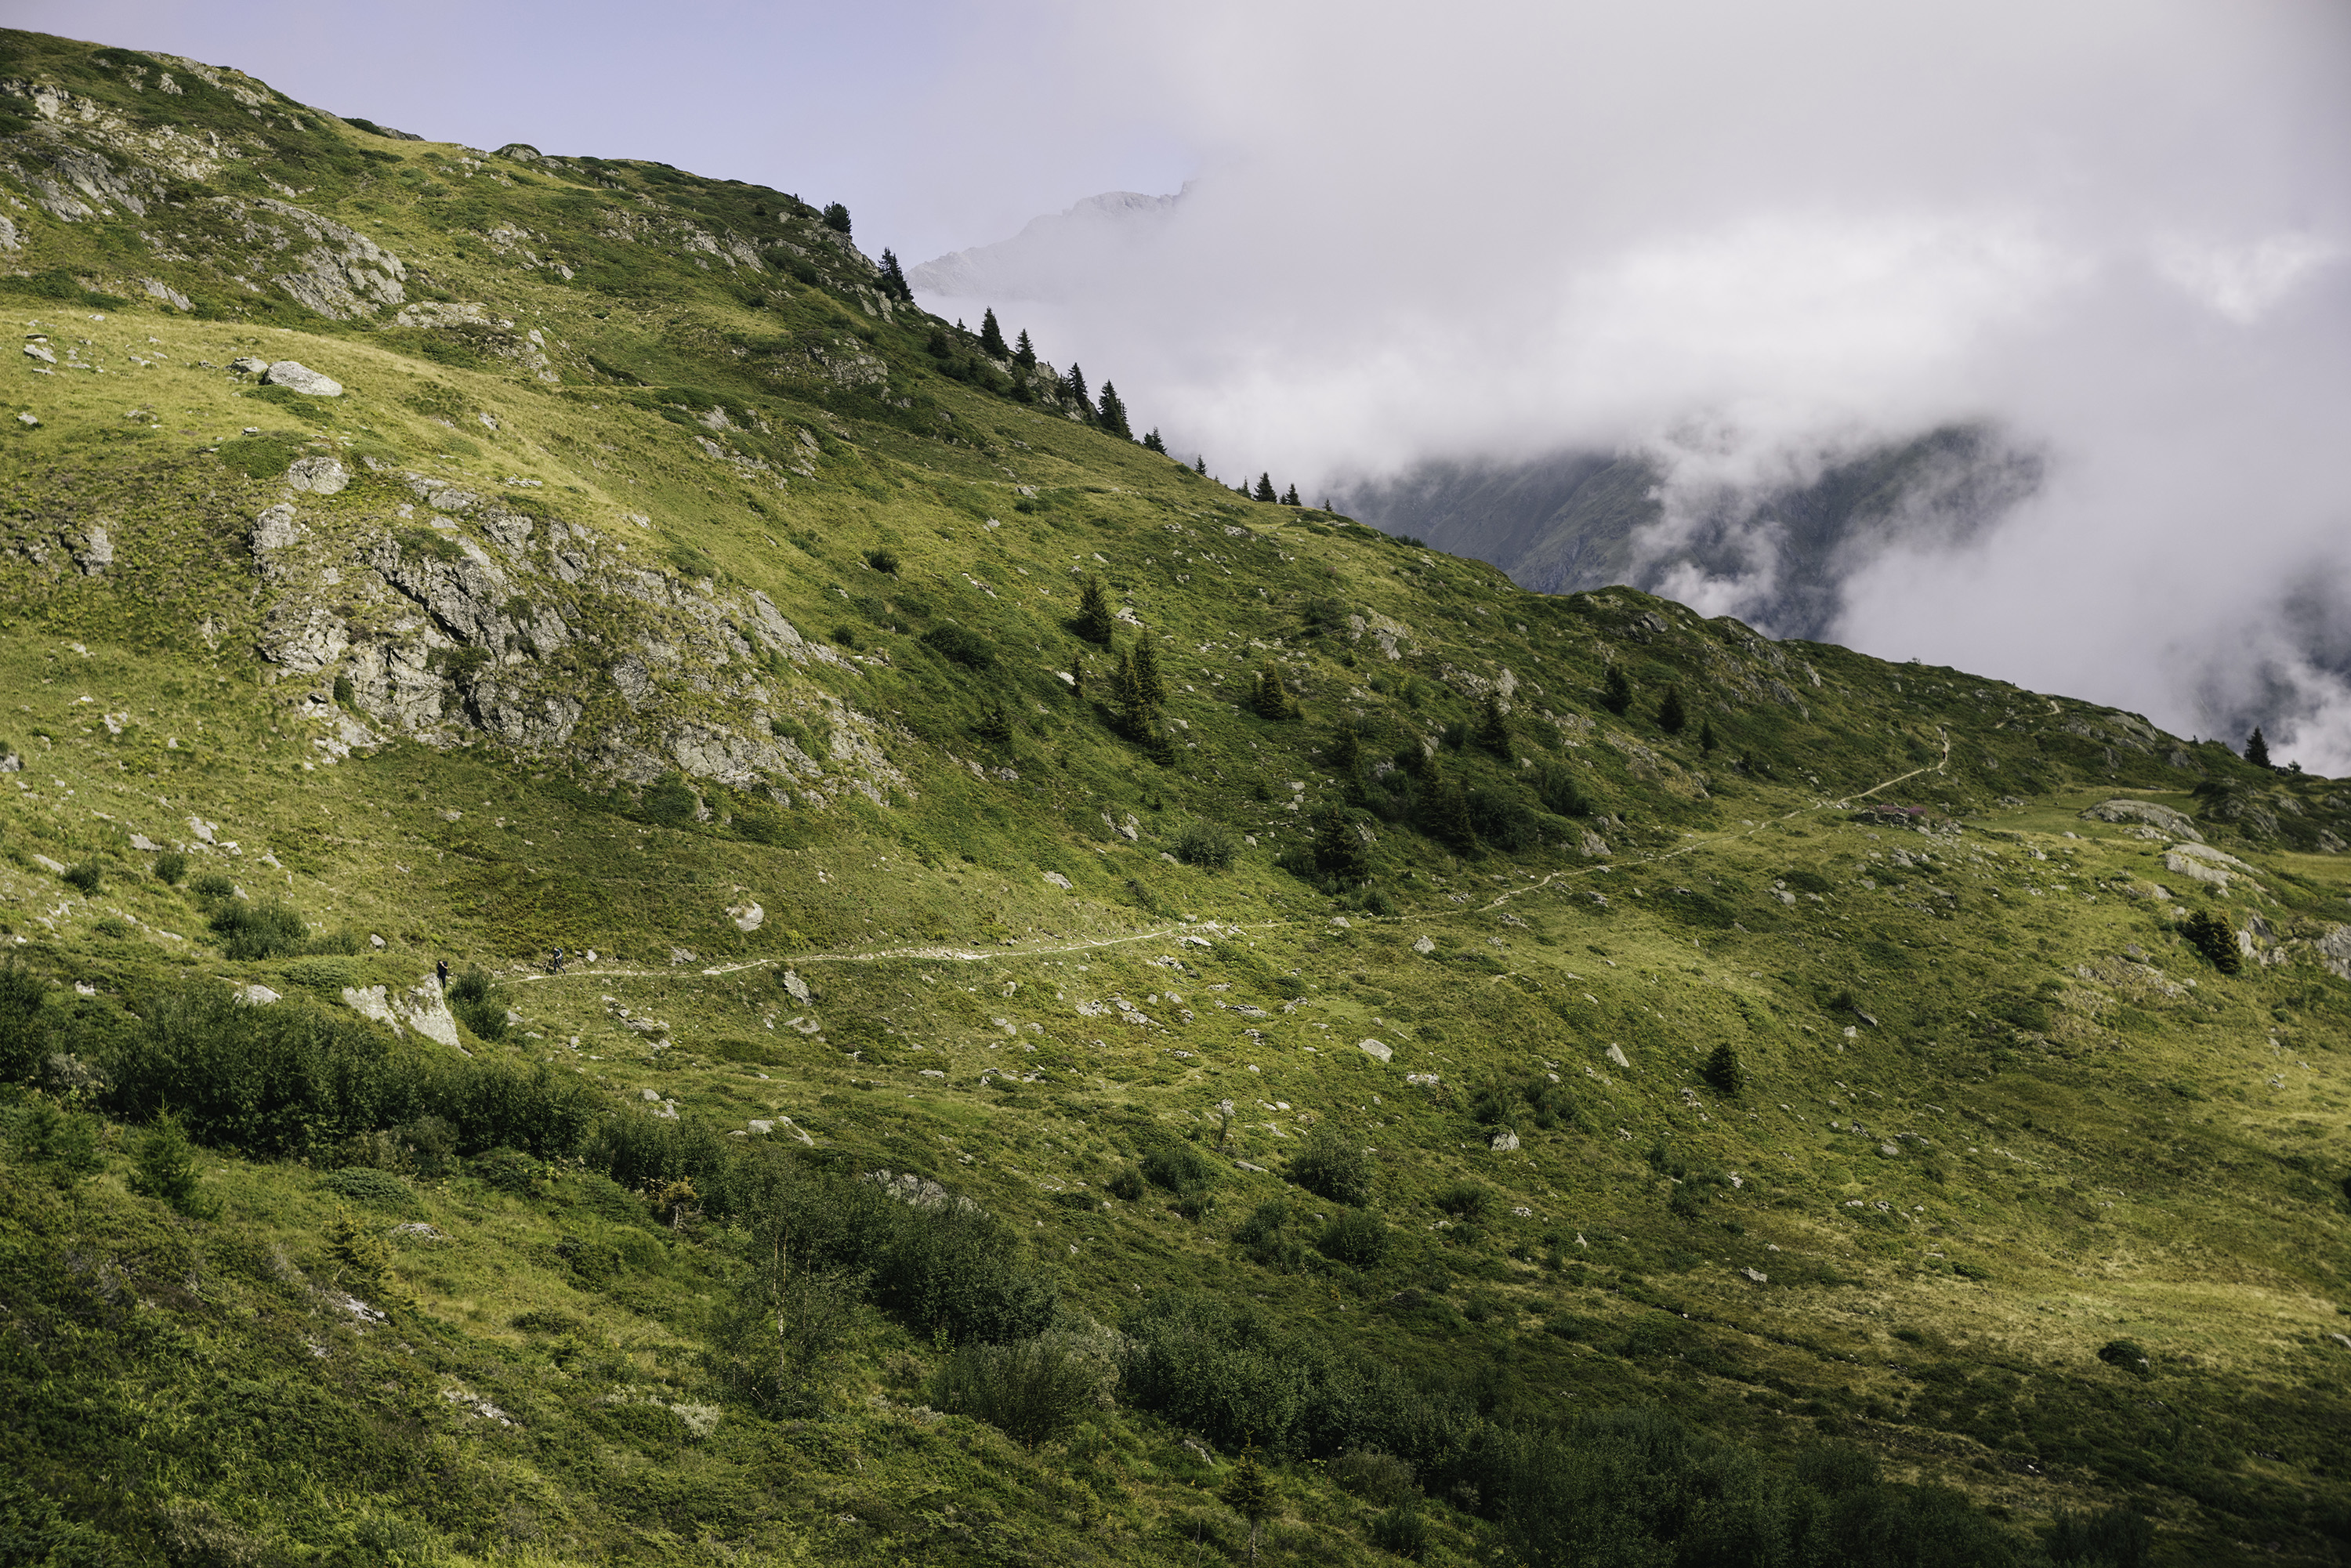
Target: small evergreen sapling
<point x="1152" y="443"/>
<point x="166" y="1170"/>
<point x="2210" y="935"/>
<point x="1290" y="498"/>
<point x="1724" y="1070"/>
<point x="1706" y="738"/>
<point x="1249" y="1493"/>
<point x="836" y="218"/>
<point x="1073" y="388"/>
<point x="1149" y="683"/>
<point x="1494" y="727"/>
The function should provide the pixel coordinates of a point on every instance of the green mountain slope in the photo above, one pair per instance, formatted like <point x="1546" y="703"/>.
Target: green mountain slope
<point x="1036" y="1076"/>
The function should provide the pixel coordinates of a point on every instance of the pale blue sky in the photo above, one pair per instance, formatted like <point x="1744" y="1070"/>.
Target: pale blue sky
<point x="941" y="125"/>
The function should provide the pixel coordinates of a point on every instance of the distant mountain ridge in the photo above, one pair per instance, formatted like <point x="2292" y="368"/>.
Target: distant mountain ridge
<point x="1048" y="253"/>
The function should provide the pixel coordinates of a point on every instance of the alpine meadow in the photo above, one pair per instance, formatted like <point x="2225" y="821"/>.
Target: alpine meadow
<point x="1006" y="1001"/>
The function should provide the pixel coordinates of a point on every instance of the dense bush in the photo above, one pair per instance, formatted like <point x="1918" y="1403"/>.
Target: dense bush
<point x="960" y="643"/>
<point x="473" y="997"/>
<point x="1032" y="1391"/>
<point x="1357" y="1238"/>
<point x="265" y="929"/>
<point x="1332" y="1166"/>
<point x="24" y="1036"/>
<point x="1179" y="1167"/>
<point x="1204" y="842"/>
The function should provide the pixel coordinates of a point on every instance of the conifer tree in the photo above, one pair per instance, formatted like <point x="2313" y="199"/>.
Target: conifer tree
<point x="1265" y="488"/>
<point x="1444" y="805"/>
<point x="1149" y="683"/>
<point x="1200" y="464"/>
<point x="1339" y="851"/>
<point x="1705" y="741"/>
<point x="1112" y="414"/>
<point x="991" y="336"/>
<point x="1250" y="1495"/>
<point x="1132" y="690"/>
<point x="1494" y="725"/>
<point x="1024" y="352"/>
<point x="1724" y="1071"/>
<point x="2257" y="748"/>
<point x="893" y="282"/>
<point x="1672" y="717"/>
<point x="1346" y="752"/>
<point x="1616" y="691"/>
<point x="1267" y="697"/>
<point x="1095" y="619"/>
<point x="1151" y="442"/>
<point x="836" y="218"/>
<point x="1074" y="387"/>
<point x="1290" y="498"/>
<point x="167" y="1170"/>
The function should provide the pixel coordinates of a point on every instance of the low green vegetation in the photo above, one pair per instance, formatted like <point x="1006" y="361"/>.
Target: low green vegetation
<point x="1152" y="1025"/>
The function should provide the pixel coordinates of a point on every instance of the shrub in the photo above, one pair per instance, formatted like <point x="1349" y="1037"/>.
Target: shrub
<point x="1205" y="842"/>
<point x="2117" y="1538"/>
<point x="473" y="997"/>
<point x="1402" y="1532"/>
<point x="1093" y="620"/>
<point x="1466" y="1201"/>
<point x="960" y="643"/>
<point x="87" y="876"/>
<point x="171" y="866"/>
<point x="774" y="1335"/>
<point x="2128" y="1354"/>
<point x="1127" y="1183"/>
<point x="672" y="801"/>
<point x="1374" y="1476"/>
<point x="212" y="886"/>
<point x="375" y="1189"/>
<point x="166" y="1170"/>
<point x="266" y="929"/>
<point x="1357" y="1238"/>
<point x="1335" y="1167"/>
<point x="885" y="560"/>
<point x="1263" y="1237"/>
<point x="1724" y="1071"/>
<point x="1178" y="1167"/>
<point x="1032" y="1391"/>
<point x="23" y="1035"/>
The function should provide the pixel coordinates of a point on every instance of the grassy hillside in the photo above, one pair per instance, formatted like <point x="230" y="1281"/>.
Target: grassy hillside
<point x="1379" y="1074"/>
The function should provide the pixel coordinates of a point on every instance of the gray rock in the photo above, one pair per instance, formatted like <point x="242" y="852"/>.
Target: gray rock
<point x="55" y="868"/>
<point x="274" y="530"/>
<point x="2148" y="811"/>
<point x="1424" y="947"/>
<point x="1757" y="1275"/>
<point x="1615" y="1053"/>
<point x="1504" y="1142"/>
<point x="95" y="552"/>
<point x="1889" y="1150"/>
<point x="40" y="351"/>
<point x="257" y="996"/>
<point x="798" y="989"/>
<point x="747" y="916"/>
<point x="250" y="365"/>
<point x="319" y="475"/>
<point x="1376" y="1050"/>
<point x="296" y="377"/>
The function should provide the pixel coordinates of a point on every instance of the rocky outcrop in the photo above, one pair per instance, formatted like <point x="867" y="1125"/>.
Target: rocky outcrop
<point x="294" y="376"/>
<point x="2163" y="817"/>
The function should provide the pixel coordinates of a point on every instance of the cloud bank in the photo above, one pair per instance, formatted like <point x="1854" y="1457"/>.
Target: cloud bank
<point x="1757" y="239"/>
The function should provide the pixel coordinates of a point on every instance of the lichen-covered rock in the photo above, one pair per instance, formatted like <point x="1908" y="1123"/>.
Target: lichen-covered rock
<point x="2146" y="812"/>
<point x="319" y="475"/>
<point x="294" y="376"/>
<point x="274" y="528"/>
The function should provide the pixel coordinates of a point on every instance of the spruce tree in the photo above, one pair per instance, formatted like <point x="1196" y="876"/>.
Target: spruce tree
<point x="1095" y="619"/>
<point x="1724" y="1071"/>
<point x="1250" y="1494"/>
<point x="1265" y="488"/>
<point x="167" y="1170"/>
<point x="1112" y="414"/>
<point x="2257" y="748"/>
<point x="1672" y="717"/>
<point x="1149" y="682"/>
<point x="1267" y="697"/>
<point x="1706" y="736"/>
<point x="894" y="279"/>
<point x="991" y="336"/>
<point x="1494" y="725"/>
<point x="1074" y="387"/>
<point x="1024" y="352"/>
<point x="1443" y="806"/>
<point x="1131" y="688"/>
<point x="836" y="218"/>
<point x="1200" y="464"/>
<point x="1151" y="442"/>
<point x="1290" y="498"/>
<point x="1339" y="851"/>
<point x="1616" y="691"/>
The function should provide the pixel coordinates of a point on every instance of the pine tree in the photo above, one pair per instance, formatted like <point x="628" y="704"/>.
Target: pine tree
<point x="1672" y="717"/>
<point x="1200" y="464"/>
<point x="1494" y="725"/>
<point x="1267" y="697"/>
<point x="1616" y="691"/>
<point x="1074" y="387"/>
<point x="1078" y="677"/>
<point x="893" y="279"/>
<point x="2257" y="748"/>
<point x="1265" y="488"/>
<point x="167" y="1170"/>
<point x="1250" y="1495"/>
<point x="1706" y="736"/>
<point x="1149" y="682"/>
<point x="1112" y="413"/>
<point x="362" y="1262"/>
<point x="2209" y="935"/>
<point x="836" y="218"/>
<point x="1095" y="619"/>
<point x="1024" y="352"/>
<point x="1339" y="851"/>
<point x="1724" y="1071"/>
<point x="991" y="336"/>
<point x="1444" y="805"/>
<point x="1130" y="690"/>
<point x="1345" y="754"/>
<point x="1151" y="442"/>
<point x="1290" y="498"/>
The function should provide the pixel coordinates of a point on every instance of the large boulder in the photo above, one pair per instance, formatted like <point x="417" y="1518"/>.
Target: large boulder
<point x="2148" y="811"/>
<point x="294" y="376"/>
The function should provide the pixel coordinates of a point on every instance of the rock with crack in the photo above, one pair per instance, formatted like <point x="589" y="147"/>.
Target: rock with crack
<point x="2146" y="812"/>
<point x="294" y="376"/>
<point x="319" y="475"/>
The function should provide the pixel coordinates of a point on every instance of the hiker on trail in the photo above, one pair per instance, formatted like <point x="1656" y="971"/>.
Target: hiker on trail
<point x="555" y="962"/>
<point x="441" y="973"/>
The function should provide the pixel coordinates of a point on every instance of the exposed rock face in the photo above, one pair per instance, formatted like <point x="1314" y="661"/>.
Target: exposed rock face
<point x="2202" y="862"/>
<point x="294" y="376"/>
<point x="319" y="475"/>
<point x="93" y="552"/>
<point x="1376" y="1050"/>
<point x="1504" y="1142"/>
<point x="2148" y="811"/>
<point x="274" y="528"/>
<point x="2334" y="951"/>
